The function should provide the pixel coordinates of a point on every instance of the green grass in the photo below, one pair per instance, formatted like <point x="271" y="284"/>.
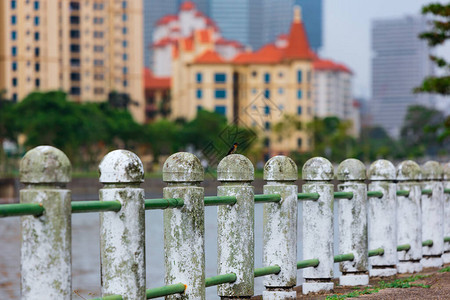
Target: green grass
<point x="398" y="283"/>
<point x="446" y="269"/>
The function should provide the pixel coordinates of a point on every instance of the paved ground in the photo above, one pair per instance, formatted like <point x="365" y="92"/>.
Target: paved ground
<point x="439" y="288"/>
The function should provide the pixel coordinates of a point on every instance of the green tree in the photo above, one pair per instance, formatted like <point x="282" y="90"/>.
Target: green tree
<point x="438" y="35"/>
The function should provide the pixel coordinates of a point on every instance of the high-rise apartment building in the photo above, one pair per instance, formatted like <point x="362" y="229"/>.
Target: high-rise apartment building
<point x="400" y="63"/>
<point x="86" y="48"/>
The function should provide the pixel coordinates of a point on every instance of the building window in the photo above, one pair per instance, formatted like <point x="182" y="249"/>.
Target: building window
<point x="299" y="142"/>
<point x="74" y="5"/>
<point x="267" y="93"/>
<point x="98" y="34"/>
<point x="75" y="76"/>
<point x="98" y="62"/>
<point x="281" y="91"/>
<point x="124" y="44"/>
<point x="199" y="77"/>
<point x="99" y="76"/>
<point x="267" y="125"/>
<point x="37" y="52"/>
<point x="299" y="94"/>
<point x="74" y="20"/>
<point x="98" y="6"/>
<point x="125" y="83"/>
<point x="220" y="93"/>
<point x="266" y="78"/>
<point x="14" y="97"/>
<point x="199" y="94"/>
<point x="37" y="82"/>
<point x="74" y="48"/>
<point x="98" y="91"/>
<point x="266" y="142"/>
<point x="124" y="17"/>
<point x="98" y="20"/>
<point x="299" y="76"/>
<point x="14" y="81"/>
<point x="124" y="30"/>
<point x="221" y="110"/>
<point x="75" y="62"/>
<point x="124" y="4"/>
<point x="220" y="77"/>
<point x="280" y="74"/>
<point x="98" y="48"/>
<point x="36" y="21"/>
<point x="14" y="66"/>
<point x="13" y="20"/>
<point x="267" y="110"/>
<point x="36" y="36"/>
<point x="13" y="35"/>
<point x="254" y="74"/>
<point x="75" y="90"/>
<point x="37" y="67"/>
<point x="308" y="94"/>
<point x="199" y="107"/>
<point x="36" y="5"/>
<point x="74" y="34"/>
<point x="299" y="110"/>
<point x="14" y="51"/>
<point x="254" y="91"/>
<point x="13" y="4"/>
<point x="125" y="70"/>
<point x="125" y="56"/>
<point x="308" y="76"/>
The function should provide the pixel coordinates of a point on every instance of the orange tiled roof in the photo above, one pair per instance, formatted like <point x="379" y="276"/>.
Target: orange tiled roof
<point x="209" y="57"/>
<point x="268" y="54"/>
<point x="152" y="82"/>
<point x="205" y="35"/>
<point x="163" y="42"/>
<point x="167" y="19"/>
<point x="187" y="5"/>
<point x="298" y="46"/>
<point x="329" y="65"/>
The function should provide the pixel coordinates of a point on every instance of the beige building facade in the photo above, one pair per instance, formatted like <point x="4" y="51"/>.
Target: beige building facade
<point x="87" y="48"/>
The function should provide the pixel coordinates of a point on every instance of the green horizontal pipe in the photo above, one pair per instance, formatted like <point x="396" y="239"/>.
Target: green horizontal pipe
<point x="404" y="247"/>
<point x="267" y="271"/>
<point x="308" y="196"/>
<point x="447" y="191"/>
<point x="223" y="200"/>
<point x="447" y="239"/>
<point x="427" y="243"/>
<point x="343" y="195"/>
<point x="95" y="206"/>
<point x="165" y="290"/>
<point x="307" y="263"/>
<point x="267" y="198"/>
<point x="219" y="279"/>
<point x="163" y="203"/>
<point x="375" y="194"/>
<point x="344" y="257"/>
<point x="21" y="209"/>
<point x="403" y="193"/>
<point x="376" y="252"/>
<point x="111" y="297"/>
<point x="427" y="192"/>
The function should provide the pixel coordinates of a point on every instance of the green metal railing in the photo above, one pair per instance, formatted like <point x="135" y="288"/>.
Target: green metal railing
<point x="447" y="239"/>
<point x="112" y="297"/>
<point x="376" y="252"/>
<point x="344" y="257"/>
<point x="427" y="243"/>
<point x="447" y="191"/>
<point x="220" y="200"/>
<point x="343" y="195"/>
<point x="162" y="203"/>
<point x="404" y="247"/>
<point x="220" y="279"/>
<point x="403" y="193"/>
<point x="21" y="209"/>
<point x="308" y="196"/>
<point x="427" y="192"/>
<point x="267" y="271"/>
<point x="307" y="263"/>
<point x="165" y="290"/>
<point x="374" y="194"/>
<point x="267" y="198"/>
<point x="95" y="206"/>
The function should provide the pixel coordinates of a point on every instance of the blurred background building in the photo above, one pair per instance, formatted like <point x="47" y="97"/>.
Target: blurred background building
<point x="400" y="62"/>
<point x="87" y="48"/>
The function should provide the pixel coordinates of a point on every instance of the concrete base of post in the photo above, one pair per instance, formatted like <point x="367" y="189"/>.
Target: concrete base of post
<point x="354" y="279"/>
<point x="409" y="267"/>
<point x="382" y="272"/>
<point x="312" y="286"/>
<point x="432" y="262"/>
<point x="279" y="295"/>
<point x="446" y="257"/>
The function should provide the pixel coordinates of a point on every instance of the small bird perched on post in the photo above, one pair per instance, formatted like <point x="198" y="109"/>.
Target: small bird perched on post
<point x="233" y="149"/>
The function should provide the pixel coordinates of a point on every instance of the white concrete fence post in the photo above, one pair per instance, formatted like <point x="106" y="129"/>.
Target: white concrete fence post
<point x="353" y="222"/>
<point x="409" y="217"/>
<point x="46" y="240"/>
<point x="382" y="218"/>
<point x="318" y="231"/>
<point x="235" y="242"/>
<point x="446" y="183"/>
<point x="122" y="233"/>
<point x="280" y="228"/>
<point x="432" y="214"/>
<point x="184" y="227"/>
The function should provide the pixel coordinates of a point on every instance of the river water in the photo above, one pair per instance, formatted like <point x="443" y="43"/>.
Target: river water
<point x="86" y="249"/>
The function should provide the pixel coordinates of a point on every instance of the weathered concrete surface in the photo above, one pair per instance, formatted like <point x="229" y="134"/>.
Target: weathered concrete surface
<point x="46" y="240"/>
<point x="280" y="228"/>
<point x="122" y="233"/>
<point x="184" y="228"/>
<point x="235" y="229"/>
<point x="446" y="185"/>
<point x="353" y="222"/>
<point x="433" y="214"/>
<point x="409" y="217"/>
<point x="382" y="222"/>
<point x="318" y="235"/>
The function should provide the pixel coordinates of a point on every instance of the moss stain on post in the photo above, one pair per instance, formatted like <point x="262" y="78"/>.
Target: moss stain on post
<point x="446" y="183"/>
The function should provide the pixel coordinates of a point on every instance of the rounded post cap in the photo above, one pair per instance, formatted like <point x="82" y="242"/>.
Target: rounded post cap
<point x="317" y="169"/>
<point x="280" y="168"/>
<point x="183" y="167"/>
<point x="121" y="166"/>
<point x="45" y="164"/>
<point x="382" y="169"/>
<point x="446" y="171"/>
<point x="351" y="169"/>
<point x="408" y="170"/>
<point x="235" y="167"/>
<point x="431" y="170"/>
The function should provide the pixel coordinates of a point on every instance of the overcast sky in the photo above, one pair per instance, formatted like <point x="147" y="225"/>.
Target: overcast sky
<point x="347" y="26"/>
